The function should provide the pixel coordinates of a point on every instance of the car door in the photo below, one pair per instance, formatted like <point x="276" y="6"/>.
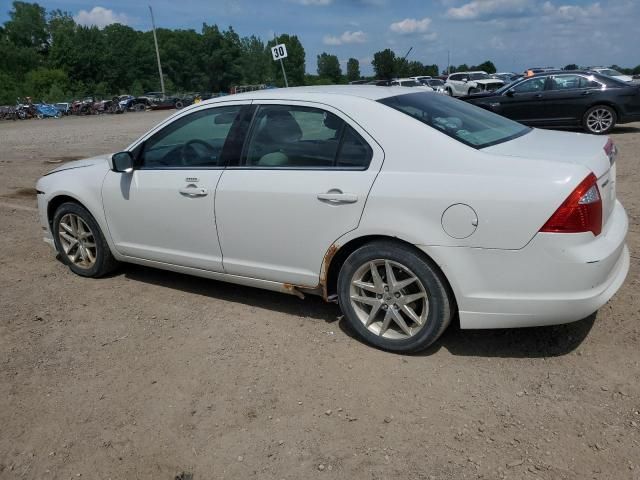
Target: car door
<point x="569" y="97"/>
<point x="300" y="184"/>
<point x="164" y="210"/>
<point x="525" y="102"/>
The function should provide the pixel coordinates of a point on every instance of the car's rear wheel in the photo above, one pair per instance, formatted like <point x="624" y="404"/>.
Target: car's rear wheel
<point x="80" y="241"/>
<point x="393" y="297"/>
<point x="448" y="91"/>
<point x="599" y="119"/>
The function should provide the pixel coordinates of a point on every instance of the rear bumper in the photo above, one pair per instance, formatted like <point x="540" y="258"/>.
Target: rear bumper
<point x="556" y="278"/>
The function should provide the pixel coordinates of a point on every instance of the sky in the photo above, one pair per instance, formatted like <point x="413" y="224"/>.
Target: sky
<point x="514" y="34"/>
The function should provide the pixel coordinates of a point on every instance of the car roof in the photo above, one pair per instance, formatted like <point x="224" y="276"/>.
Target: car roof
<point x="369" y="92"/>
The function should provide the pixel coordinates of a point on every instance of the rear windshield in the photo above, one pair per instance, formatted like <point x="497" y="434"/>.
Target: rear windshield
<point x="462" y="121"/>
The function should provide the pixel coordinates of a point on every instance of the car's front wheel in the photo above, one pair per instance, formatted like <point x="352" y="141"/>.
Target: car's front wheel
<point x="80" y="241"/>
<point x="393" y="297"/>
<point x="599" y="119"/>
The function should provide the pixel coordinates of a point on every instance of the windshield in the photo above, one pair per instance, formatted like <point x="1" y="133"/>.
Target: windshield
<point x="464" y="122"/>
<point x="435" y="83"/>
<point x="478" y="76"/>
<point x="611" y="72"/>
<point x="409" y="83"/>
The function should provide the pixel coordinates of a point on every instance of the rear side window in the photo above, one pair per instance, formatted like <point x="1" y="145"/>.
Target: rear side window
<point x="569" y="82"/>
<point x="289" y="136"/>
<point x="466" y="123"/>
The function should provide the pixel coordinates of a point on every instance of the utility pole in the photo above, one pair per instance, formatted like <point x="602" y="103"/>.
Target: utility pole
<point x="284" y="74"/>
<point x="448" y="62"/>
<point x="155" y="40"/>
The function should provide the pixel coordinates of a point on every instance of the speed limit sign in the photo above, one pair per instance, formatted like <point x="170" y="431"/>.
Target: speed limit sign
<point x="279" y="52"/>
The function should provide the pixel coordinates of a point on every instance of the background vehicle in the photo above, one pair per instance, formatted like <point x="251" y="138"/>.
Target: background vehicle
<point x="467" y="83"/>
<point x="436" y="84"/>
<point x="566" y="99"/>
<point x="409" y="82"/>
<point x="63" y="107"/>
<point x="506" y="77"/>
<point x="45" y="110"/>
<point x="610" y="72"/>
<point x="328" y="197"/>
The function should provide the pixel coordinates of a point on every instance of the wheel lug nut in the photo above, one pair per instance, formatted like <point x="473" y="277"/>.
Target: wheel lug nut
<point x="385" y="306"/>
<point x="386" y="289"/>
<point x="398" y="295"/>
<point x="378" y="296"/>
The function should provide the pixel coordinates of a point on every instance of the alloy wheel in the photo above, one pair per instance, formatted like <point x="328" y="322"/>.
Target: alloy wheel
<point x="77" y="240"/>
<point x="389" y="299"/>
<point x="599" y="120"/>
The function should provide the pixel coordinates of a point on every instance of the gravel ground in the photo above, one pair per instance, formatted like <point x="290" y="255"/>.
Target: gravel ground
<point x="150" y="375"/>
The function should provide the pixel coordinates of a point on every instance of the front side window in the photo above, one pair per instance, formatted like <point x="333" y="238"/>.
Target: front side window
<point x="466" y="123"/>
<point x="287" y="136"/>
<point x="192" y="141"/>
<point x="479" y="76"/>
<point x="531" y="86"/>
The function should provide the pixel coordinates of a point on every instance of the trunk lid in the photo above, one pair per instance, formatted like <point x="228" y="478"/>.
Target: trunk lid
<point x="568" y="147"/>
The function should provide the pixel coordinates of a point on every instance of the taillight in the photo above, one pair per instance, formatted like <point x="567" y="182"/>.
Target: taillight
<point x="581" y="211"/>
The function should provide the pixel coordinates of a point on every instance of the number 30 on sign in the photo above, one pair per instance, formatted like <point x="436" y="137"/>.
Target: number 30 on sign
<point x="279" y="52"/>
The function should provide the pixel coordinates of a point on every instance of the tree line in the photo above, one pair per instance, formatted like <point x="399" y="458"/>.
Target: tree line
<point x="48" y="56"/>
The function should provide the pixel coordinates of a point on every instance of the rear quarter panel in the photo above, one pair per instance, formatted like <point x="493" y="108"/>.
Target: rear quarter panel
<point x="425" y="172"/>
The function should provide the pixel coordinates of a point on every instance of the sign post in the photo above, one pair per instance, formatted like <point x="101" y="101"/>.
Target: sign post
<point x="279" y="52"/>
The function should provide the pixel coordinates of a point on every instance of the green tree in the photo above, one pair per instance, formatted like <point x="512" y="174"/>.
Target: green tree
<point x="384" y="64"/>
<point x="571" y="66"/>
<point x="329" y="67"/>
<point x="40" y="81"/>
<point x="27" y="26"/>
<point x="353" y="69"/>
<point x="256" y="61"/>
<point x="486" y="66"/>
<point x="294" y="64"/>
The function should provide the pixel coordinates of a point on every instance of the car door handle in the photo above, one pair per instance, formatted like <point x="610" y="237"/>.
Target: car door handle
<point x="337" y="197"/>
<point x="537" y="95"/>
<point x="194" y="192"/>
<point x="586" y="92"/>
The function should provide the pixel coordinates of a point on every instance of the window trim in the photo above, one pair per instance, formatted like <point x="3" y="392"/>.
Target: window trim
<point x="240" y="164"/>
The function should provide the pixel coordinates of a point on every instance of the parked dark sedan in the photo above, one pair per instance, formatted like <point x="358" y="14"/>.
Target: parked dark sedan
<point x="565" y="99"/>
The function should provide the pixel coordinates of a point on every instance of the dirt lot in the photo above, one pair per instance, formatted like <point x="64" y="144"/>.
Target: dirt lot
<point x="150" y="374"/>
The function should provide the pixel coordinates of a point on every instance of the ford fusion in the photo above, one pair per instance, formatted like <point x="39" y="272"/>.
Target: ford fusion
<point x="406" y="208"/>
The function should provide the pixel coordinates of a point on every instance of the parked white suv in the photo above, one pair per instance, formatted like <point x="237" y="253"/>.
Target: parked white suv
<point x="467" y="83"/>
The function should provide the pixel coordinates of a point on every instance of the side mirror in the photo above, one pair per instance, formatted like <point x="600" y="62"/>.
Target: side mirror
<point x="465" y="79"/>
<point x="511" y="92"/>
<point x="122" y="162"/>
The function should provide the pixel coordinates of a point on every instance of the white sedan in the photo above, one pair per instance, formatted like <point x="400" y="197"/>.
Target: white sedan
<point x="408" y="208"/>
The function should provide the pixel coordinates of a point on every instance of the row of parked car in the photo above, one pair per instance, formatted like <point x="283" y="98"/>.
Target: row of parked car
<point x="26" y="108"/>
<point x="595" y="99"/>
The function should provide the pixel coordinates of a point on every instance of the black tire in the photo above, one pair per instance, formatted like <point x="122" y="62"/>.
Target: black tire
<point x="140" y="107"/>
<point x="593" y="128"/>
<point x="472" y="90"/>
<point x="104" y="261"/>
<point x="449" y="92"/>
<point x="179" y="105"/>
<point x="441" y="305"/>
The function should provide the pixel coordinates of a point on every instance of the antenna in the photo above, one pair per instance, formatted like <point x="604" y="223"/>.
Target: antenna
<point x="155" y="40"/>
